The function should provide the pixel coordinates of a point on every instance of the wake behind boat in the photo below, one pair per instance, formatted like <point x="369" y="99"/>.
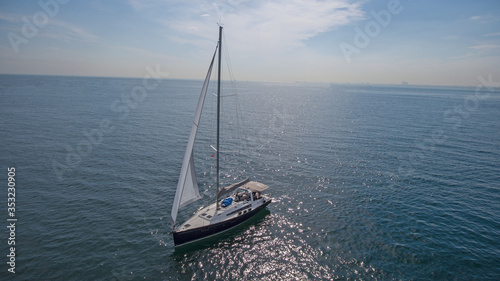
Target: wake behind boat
<point x="234" y="204"/>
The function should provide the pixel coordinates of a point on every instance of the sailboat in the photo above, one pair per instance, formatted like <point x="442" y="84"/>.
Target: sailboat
<point x="234" y="204"/>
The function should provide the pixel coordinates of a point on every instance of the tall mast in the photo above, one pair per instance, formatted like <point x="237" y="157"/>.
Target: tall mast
<point x="218" y="111"/>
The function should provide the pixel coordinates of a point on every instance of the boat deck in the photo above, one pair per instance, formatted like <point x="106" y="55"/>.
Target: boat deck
<point x="201" y="218"/>
<point x="210" y="215"/>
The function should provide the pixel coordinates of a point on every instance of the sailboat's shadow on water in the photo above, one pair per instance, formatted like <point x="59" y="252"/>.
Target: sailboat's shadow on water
<point x="222" y="238"/>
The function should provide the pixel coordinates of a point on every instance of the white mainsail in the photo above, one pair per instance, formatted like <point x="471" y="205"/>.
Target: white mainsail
<point x="187" y="187"/>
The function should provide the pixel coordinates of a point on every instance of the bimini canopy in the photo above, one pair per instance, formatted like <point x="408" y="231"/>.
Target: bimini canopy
<point x="229" y="189"/>
<point x="254" y="186"/>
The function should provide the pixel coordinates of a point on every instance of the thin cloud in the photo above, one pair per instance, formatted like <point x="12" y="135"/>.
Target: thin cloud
<point x="54" y="29"/>
<point x="9" y="17"/>
<point x="279" y="23"/>
<point x="274" y="33"/>
<point x="63" y="30"/>
<point x="141" y="5"/>
<point x="291" y="23"/>
<point x="484" y="19"/>
<point x="492" y="34"/>
<point x="485" y="47"/>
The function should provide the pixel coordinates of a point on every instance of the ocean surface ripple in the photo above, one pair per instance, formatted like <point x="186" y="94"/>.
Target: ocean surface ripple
<point x="368" y="181"/>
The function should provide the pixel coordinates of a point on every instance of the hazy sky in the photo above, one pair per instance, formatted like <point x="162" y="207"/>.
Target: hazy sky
<point x="383" y="41"/>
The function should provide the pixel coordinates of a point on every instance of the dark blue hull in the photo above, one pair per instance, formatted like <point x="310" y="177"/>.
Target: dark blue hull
<point x="186" y="236"/>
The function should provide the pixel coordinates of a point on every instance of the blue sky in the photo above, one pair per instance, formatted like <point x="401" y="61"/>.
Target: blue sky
<point x="423" y="42"/>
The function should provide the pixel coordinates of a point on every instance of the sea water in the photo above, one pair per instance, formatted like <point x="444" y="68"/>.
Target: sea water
<point x="367" y="181"/>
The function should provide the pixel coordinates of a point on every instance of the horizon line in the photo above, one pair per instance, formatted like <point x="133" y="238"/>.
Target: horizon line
<point x="409" y="85"/>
